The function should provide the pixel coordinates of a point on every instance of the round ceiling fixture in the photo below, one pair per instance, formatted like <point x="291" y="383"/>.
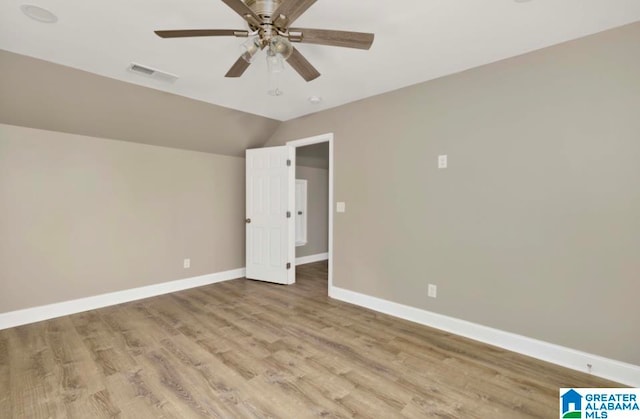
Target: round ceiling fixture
<point x="315" y="100"/>
<point x="38" y="13"/>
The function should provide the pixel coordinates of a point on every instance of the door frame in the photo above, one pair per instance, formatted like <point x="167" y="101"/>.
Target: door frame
<point x="323" y="138"/>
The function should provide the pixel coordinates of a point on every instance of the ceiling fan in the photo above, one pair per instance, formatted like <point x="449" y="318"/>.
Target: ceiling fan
<point x="269" y="28"/>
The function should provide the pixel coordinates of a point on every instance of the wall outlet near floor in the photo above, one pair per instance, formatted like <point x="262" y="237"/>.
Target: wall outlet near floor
<point x="433" y="291"/>
<point x="187" y="263"/>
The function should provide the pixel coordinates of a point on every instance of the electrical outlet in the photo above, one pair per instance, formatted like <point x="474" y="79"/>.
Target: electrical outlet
<point x="187" y="263"/>
<point x="341" y="207"/>
<point x="433" y="291"/>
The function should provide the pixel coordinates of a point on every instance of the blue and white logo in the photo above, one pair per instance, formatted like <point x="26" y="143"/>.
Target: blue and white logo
<point x="599" y="403"/>
<point x="571" y="404"/>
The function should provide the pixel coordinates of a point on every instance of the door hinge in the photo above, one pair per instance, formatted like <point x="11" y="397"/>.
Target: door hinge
<point x="288" y="162"/>
<point x="288" y="265"/>
<point x="288" y="214"/>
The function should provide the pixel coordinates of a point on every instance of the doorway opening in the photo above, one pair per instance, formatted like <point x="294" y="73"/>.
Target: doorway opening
<point x="314" y="216"/>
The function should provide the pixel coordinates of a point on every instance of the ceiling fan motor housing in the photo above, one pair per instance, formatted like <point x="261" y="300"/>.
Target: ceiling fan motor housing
<point x="263" y="7"/>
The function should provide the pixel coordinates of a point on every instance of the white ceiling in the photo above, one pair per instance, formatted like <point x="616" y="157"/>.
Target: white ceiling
<point x="416" y="41"/>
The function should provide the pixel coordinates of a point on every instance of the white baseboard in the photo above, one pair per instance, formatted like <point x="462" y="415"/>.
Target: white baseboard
<point x="50" y="311"/>
<point x="310" y="259"/>
<point x="620" y="372"/>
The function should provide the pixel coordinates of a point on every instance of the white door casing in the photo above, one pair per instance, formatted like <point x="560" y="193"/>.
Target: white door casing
<point x="301" y="212"/>
<point x="328" y="138"/>
<point x="270" y="205"/>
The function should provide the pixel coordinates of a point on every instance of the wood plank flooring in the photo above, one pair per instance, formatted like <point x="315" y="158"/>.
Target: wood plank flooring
<point x="245" y="349"/>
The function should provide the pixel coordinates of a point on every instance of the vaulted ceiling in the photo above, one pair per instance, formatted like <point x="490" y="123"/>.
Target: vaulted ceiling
<point x="40" y="94"/>
<point x="416" y="41"/>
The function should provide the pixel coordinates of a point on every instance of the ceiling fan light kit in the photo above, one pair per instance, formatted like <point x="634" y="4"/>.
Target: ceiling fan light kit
<point x="250" y="48"/>
<point x="281" y="45"/>
<point x="275" y="62"/>
<point x="269" y="28"/>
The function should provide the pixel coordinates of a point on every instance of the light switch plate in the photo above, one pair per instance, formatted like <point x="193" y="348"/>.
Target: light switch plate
<point x="341" y="207"/>
<point x="433" y="291"/>
<point x="442" y="161"/>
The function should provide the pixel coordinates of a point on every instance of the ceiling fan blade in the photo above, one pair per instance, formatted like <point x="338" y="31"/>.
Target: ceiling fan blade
<point x="238" y="68"/>
<point x="345" y="39"/>
<point x="302" y="66"/>
<point x="185" y="33"/>
<point x="243" y="10"/>
<point x="289" y="11"/>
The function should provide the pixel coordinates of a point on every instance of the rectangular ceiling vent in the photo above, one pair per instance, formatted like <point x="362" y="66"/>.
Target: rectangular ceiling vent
<point x="152" y="73"/>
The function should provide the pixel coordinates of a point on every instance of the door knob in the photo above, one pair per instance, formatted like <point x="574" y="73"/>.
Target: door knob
<point x="299" y="212"/>
<point x="248" y="221"/>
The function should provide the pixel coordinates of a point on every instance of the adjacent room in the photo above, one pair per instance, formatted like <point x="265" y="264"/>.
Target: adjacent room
<point x="416" y="209"/>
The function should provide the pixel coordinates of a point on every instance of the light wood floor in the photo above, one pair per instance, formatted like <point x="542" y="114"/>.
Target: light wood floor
<point x="249" y="349"/>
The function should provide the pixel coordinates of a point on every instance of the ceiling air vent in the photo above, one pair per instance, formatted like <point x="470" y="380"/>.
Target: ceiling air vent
<point x="152" y="73"/>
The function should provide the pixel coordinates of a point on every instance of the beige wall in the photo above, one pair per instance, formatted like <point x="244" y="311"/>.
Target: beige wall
<point x="81" y="216"/>
<point x="314" y="155"/>
<point x="317" y="210"/>
<point x="534" y="228"/>
<point x="39" y="94"/>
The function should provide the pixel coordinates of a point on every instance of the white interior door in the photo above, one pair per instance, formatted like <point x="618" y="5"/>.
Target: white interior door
<point x="270" y="205"/>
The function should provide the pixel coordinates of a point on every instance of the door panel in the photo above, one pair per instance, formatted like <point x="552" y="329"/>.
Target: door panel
<point x="270" y="194"/>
